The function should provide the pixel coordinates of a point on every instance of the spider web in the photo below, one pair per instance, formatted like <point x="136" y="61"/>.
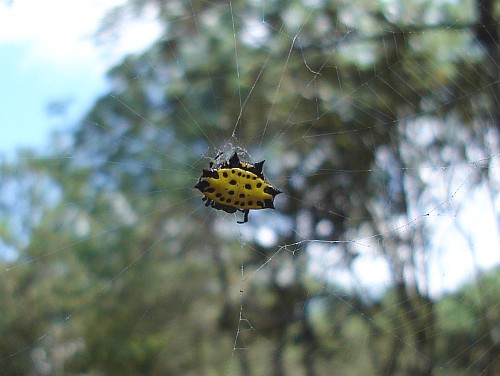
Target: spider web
<point x="389" y="277"/>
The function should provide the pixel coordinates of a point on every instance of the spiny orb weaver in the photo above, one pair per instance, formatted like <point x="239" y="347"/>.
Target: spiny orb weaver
<point x="236" y="186"/>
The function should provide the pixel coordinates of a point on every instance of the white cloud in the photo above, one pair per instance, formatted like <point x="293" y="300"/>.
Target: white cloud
<point x="49" y="52"/>
<point x="60" y="32"/>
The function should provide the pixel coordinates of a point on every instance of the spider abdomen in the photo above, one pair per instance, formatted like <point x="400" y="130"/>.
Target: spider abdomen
<point x="238" y="188"/>
<point x="236" y="185"/>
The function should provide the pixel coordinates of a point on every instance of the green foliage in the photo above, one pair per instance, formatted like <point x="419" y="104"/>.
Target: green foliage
<point x="476" y="340"/>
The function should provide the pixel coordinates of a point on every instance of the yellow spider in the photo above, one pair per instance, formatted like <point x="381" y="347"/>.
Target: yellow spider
<point x="236" y="186"/>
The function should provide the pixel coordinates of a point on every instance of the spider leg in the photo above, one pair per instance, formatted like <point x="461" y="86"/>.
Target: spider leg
<point x="245" y="218"/>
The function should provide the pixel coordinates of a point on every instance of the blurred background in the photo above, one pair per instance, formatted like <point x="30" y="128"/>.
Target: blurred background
<point x="378" y="120"/>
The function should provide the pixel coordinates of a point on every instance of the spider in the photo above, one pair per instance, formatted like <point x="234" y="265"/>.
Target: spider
<point x="236" y="186"/>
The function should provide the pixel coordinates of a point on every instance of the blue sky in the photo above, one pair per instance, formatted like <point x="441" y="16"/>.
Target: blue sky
<point x="48" y="54"/>
<point x="26" y="90"/>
